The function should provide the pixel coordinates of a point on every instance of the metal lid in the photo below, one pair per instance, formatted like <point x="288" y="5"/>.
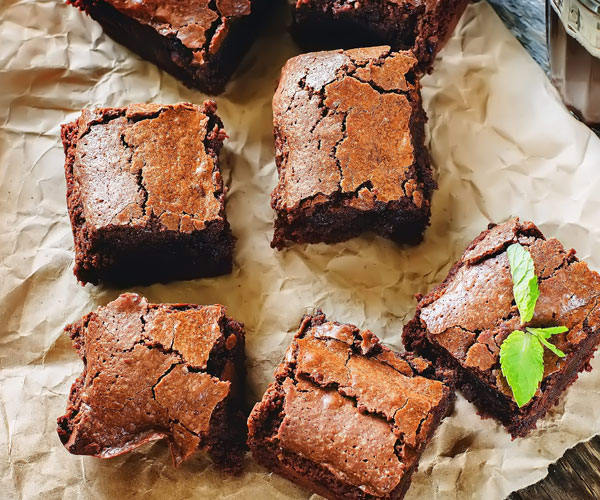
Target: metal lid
<point x="581" y="19"/>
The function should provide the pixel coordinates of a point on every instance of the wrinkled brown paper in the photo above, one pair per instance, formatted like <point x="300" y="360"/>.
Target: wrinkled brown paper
<point x="501" y="143"/>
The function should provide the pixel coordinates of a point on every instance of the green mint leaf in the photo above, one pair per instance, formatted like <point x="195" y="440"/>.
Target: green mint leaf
<point x="522" y="364"/>
<point x="547" y="332"/>
<point x="525" y="285"/>
<point x="522" y="353"/>
<point x="552" y="347"/>
<point x="544" y="333"/>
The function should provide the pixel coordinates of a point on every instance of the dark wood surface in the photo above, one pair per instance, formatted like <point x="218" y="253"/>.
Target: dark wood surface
<point x="577" y="474"/>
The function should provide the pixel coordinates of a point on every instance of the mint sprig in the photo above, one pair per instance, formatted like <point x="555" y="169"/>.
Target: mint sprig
<point x="522" y="352"/>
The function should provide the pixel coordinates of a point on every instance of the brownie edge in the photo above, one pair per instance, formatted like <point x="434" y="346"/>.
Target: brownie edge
<point x="346" y="417"/>
<point x="158" y="371"/>
<point x="422" y="27"/>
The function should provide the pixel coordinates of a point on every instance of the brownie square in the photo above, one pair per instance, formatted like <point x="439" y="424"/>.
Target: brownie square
<point x="346" y="417"/>
<point x="199" y="42"/>
<point x="349" y="140"/>
<point x="145" y="193"/>
<point x="423" y="27"/>
<point x="157" y="371"/>
<point x="463" y="321"/>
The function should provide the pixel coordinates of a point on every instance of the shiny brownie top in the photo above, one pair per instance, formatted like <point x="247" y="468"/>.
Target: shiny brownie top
<point x="343" y="125"/>
<point x="149" y="162"/>
<point x="148" y="374"/>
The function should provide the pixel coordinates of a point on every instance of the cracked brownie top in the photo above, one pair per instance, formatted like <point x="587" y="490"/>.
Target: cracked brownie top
<point x="473" y="310"/>
<point x="199" y="25"/>
<point x="355" y="406"/>
<point x="343" y="126"/>
<point x="149" y="161"/>
<point x="151" y="371"/>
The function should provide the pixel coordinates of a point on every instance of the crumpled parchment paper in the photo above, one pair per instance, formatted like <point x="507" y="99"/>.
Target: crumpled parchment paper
<point x="501" y="143"/>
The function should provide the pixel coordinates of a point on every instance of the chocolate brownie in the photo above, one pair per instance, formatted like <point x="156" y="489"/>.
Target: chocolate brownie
<point x="157" y="371"/>
<point x="200" y="42"/>
<point x="349" y="139"/>
<point x="464" y="320"/>
<point x="422" y="26"/>
<point x="145" y="193"/>
<point x="347" y="417"/>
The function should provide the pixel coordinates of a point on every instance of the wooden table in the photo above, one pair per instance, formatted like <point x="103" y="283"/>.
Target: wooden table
<point x="577" y="474"/>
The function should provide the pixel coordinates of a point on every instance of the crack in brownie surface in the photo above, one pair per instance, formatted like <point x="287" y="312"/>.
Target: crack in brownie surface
<point x="148" y="161"/>
<point x="196" y="23"/>
<point x="349" y="147"/>
<point x="466" y="318"/>
<point x="154" y="371"/>
<point x="357" y="413"/>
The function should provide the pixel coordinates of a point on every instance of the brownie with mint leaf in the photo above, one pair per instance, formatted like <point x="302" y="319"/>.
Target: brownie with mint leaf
<point x="516" y="319"/>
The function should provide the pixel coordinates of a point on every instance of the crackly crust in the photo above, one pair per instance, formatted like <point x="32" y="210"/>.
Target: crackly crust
<point x="195" y="23"/>
<point x="349" y="147"/>
<point x="465" y="319"/>
<point x="143" y="178"/>
<point x="154" y="371"/>
<point x="200" y="42"/>
<point x="149" y="161"/>
<point x="422" y="27"/>
<point x="346" y="416"/>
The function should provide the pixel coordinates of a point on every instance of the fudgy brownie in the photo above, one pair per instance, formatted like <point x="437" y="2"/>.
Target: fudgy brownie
<point x="464" y="320"/>
<point x="201" y="42"/>
<point x="145" y="193"/>
<point x="422" y="26"/>
<point x="347" y="417"/>
<point x="157" y="371"/>
<point x="350" y="153"/>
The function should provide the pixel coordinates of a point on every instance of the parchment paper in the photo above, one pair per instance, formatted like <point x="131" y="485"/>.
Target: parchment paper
<point x="501" y="143"/>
